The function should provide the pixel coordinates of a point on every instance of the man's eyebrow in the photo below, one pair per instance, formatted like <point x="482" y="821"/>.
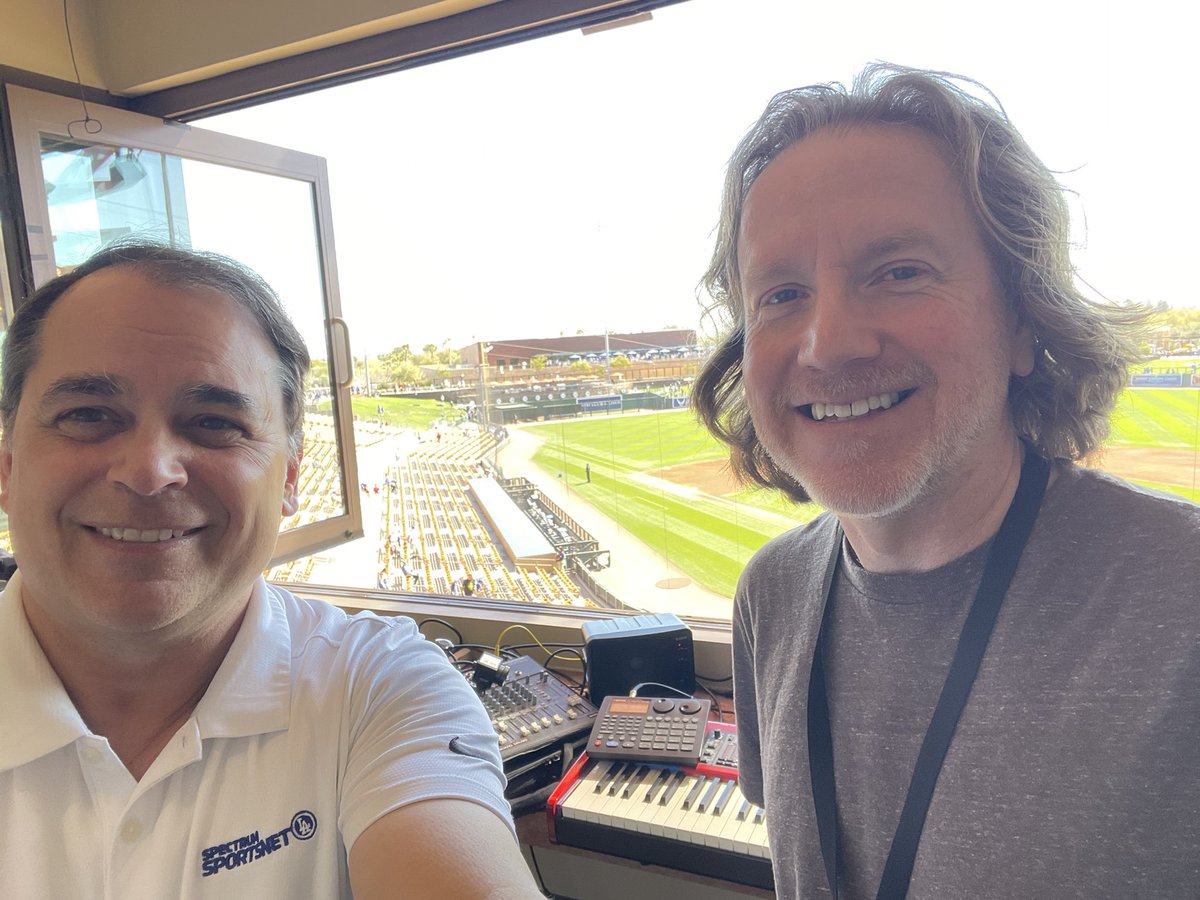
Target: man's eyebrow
<point x="219" y="395"/>
<point x="907" y="239"/>
<point x="82" y="385"/>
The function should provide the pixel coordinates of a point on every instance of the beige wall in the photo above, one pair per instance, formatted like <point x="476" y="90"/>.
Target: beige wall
<point x="135" y="46"/>
<point x="32" y="37"/>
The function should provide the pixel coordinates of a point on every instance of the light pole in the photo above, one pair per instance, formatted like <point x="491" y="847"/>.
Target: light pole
<point x="484" y="349"/>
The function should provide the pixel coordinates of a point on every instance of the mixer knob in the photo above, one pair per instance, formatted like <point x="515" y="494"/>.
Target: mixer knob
<point x="524" y="731"/>
<point x="558" y="720"/>
<point x="535" y="726"/>
<point x="571" y="714"/>
<point x="546" y="721"/>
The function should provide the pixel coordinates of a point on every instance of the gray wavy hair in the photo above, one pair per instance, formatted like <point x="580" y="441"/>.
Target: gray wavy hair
<point x="1083" y="349"/>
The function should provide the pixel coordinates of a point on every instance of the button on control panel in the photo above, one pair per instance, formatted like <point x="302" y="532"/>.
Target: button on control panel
<point x="646" y="729"/>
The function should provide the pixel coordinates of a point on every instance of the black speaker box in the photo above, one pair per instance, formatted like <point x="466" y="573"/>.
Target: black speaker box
<point x="625" y="652"/>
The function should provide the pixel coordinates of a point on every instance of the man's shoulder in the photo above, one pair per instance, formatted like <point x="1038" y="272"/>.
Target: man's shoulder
<point x="318" y="623"/>
<point x="1100" y="501"/>
<point x="795" y="548"/>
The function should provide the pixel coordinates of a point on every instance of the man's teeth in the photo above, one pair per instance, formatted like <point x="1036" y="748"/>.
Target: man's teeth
<point x="141" y="536"/>
<point x="857" y="408"/>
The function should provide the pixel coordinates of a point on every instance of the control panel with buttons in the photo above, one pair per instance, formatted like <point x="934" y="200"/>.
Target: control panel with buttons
<point x="650" y="729"/>
<point x="531" y="708"/>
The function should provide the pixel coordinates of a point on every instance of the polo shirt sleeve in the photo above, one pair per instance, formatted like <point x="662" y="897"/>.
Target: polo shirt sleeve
<point x="414" y="729"/>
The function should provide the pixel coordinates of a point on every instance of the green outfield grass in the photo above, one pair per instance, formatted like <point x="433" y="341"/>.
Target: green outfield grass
<point x="709" y="538"/>
<point x="1157" y="417"/>
<point x="712" y="538"/>
<point x="400" y="412"/>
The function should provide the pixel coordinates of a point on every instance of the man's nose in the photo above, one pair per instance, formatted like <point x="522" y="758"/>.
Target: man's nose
<point x="150" y="460"/>
<point x="840" y="330"/>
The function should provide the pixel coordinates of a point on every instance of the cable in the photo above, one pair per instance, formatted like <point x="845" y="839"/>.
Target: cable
<point x="667" y="687"/>
<point x="87" y="121"/>
<point x="457" y="633"/>
<point x="583" y="662"/>
<point x="716" y="704"/>
<point x="500" y="637"/>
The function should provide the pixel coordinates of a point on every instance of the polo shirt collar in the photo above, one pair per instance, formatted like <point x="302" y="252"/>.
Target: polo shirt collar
<point x="251" y="692"/>
<point x="36" y="715"/>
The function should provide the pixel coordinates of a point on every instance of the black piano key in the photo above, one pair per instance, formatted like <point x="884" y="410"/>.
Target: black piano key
<point x="634" y="780"/>
<point x="619" y="778"/>
<point x="601" y="779"/>
<point x="759" y="812"/>
<point x="615" y="769"/>
<point x="744" y="810"/>
<point x="677" y="778"/>
<point x="656" y="786"/>
<point x="713" y="786"/>
<point x="719" y="805"/>
<point x="693" y="793"/>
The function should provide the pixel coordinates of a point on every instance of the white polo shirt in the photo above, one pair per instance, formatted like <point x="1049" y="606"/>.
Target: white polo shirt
<point x="315" y="725"/>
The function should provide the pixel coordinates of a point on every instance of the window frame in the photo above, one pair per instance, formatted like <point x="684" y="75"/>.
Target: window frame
<point x="33" y="112"/>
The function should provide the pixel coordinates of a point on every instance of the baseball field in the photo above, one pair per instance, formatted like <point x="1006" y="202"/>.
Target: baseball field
<point x="663" y="479"/>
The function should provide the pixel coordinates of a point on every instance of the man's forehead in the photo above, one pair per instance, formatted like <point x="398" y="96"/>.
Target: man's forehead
<point x="868" y="189"/>
<point x="98" y="333"/>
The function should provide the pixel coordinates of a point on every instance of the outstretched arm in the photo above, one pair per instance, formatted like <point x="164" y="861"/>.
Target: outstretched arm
<point x="440" y="849"/>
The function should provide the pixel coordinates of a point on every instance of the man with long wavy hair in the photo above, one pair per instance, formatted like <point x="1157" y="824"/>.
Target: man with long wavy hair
<point x="976" y="676"/>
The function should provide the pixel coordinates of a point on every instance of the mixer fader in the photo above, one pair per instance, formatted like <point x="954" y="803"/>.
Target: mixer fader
<point x="531" y="708"/>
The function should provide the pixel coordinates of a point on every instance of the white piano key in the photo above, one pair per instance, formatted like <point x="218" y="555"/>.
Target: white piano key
<point x="665" y="808"/>
<point x="675" y="827"/>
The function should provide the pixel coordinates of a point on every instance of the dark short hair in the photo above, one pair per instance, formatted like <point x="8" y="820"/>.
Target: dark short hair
<point x="176" y="268"/>
<point x="1083" y="349"/>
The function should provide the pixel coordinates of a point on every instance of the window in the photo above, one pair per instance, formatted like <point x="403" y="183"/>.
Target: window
<point x="265" y="206"/>
<point x="520" y="235"/>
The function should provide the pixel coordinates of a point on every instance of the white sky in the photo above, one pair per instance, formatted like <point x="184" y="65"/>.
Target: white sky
<point x="572" y="182"/>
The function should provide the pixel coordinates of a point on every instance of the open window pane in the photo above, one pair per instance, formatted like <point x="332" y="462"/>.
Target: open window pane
<point x="262" y="206"/>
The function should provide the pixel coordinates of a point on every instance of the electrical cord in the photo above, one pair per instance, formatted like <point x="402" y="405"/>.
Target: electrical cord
<point x="448" y="626"/>
<point x="666" y="687"/>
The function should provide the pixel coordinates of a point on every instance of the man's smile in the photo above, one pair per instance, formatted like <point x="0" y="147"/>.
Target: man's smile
<point x="826" y="411"/>
<point x="143" y="535"/>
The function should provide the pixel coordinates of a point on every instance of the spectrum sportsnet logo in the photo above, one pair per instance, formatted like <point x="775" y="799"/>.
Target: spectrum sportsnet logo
<point x="244" y="850"/>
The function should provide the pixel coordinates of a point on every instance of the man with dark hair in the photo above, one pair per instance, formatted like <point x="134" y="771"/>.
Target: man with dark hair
<point x="170" y="724"/>
<point x="978" y="675"/>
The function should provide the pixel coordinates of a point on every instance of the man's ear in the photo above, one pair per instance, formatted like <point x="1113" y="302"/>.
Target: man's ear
<point x="291" y="497"/>
<point x="1024" y="349"/>
<point x="6" y="461"/>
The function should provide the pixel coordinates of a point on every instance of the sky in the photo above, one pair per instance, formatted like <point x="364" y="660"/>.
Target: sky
<point x="571" y="183"/>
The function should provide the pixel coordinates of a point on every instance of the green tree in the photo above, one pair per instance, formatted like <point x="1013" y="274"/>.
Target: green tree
<point x="539" y="362"/>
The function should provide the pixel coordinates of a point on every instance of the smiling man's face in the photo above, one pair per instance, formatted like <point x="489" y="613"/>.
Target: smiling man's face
<point x="148" y="463"/>
<point x="878" y="347"/>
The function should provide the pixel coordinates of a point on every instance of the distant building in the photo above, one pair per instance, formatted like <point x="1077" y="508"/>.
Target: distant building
<point x="642" y="345"/>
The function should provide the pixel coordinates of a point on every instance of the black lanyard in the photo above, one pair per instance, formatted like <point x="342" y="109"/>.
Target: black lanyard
<point x="997" y="575"/>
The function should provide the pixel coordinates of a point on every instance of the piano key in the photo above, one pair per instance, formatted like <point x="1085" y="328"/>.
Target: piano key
<point x="721" y="801"/>
<point x="658" y="784"/>
<point x="673" y="785"/>
<point x="633" y="781"/>
<point x="614" y="773"/>
<point x="714" y="785"/>
<point x="694" y="793"/>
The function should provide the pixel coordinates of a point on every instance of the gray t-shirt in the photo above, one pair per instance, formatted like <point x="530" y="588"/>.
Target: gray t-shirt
<point x="1075" y="769"/>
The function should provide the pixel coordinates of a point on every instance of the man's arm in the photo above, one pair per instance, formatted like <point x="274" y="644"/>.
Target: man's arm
<point x="439" y="849"/>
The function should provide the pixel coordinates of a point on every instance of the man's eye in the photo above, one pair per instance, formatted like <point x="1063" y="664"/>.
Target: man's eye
<point x="783" y="295"/>
<point x="216" y="423"/>
<point x="86" y="415"/>
<point x="901" y="273"/>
